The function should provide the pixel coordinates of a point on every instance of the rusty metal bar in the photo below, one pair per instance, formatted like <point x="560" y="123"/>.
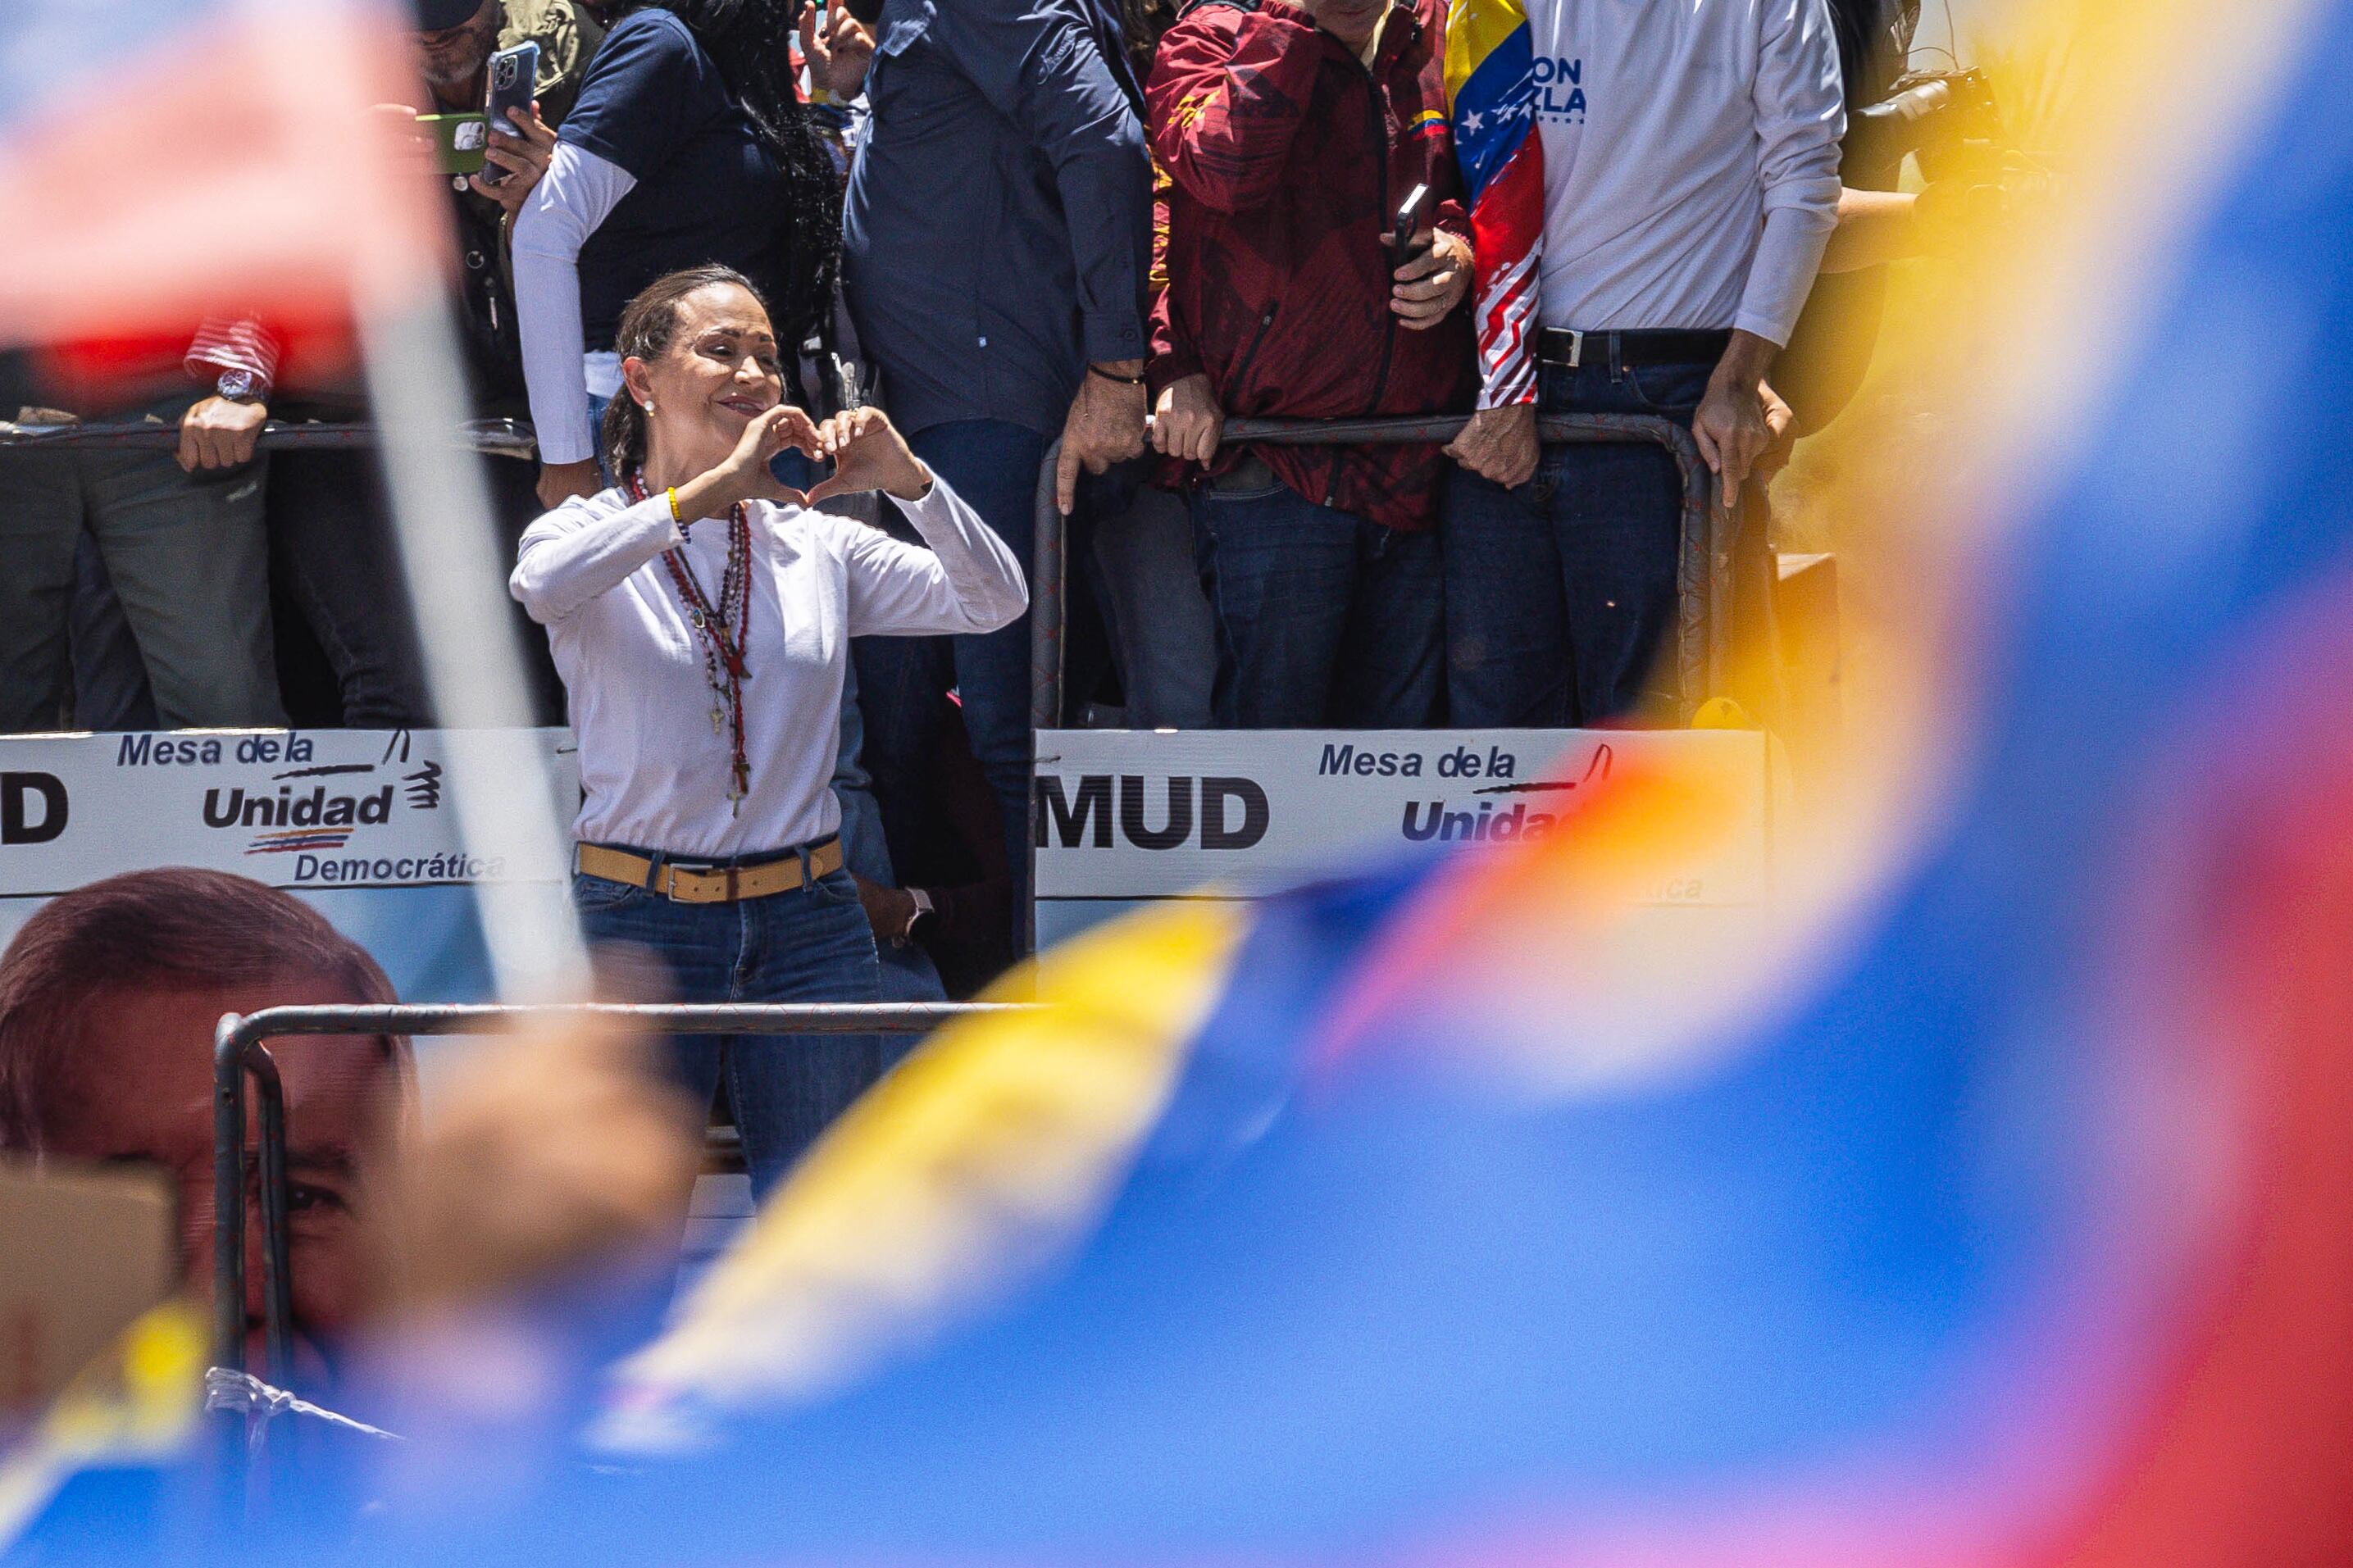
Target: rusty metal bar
<point x="494" y="437"/>
<point x="237" y="1051"/>
<point x="1703" y="562"/>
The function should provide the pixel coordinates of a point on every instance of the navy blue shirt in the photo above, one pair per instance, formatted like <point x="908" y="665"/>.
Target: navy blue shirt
<point x="708" y="188"/>
<point x="998" y="230"/>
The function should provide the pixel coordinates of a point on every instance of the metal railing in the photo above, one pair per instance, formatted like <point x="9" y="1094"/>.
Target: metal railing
<point x="1703" y="559"/>
<point x="239" y="1052"/>
<point x="1703" y="568"/>
<point x="491" y="438"/>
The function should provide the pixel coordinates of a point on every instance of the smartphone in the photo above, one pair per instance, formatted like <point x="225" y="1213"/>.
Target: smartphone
<point x="1408" y="224"/>
<point x="513" y="78"/>
<point x="458" y="140"/>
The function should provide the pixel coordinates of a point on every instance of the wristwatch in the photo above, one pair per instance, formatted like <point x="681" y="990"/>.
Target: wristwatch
<point x="241" y="387"/>
<point x="923" y="907"/>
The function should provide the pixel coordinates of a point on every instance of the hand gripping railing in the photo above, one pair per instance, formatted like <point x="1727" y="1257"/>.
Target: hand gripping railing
<point x="491" y="438"/>
<point x="1703" y="559"/>
<point x="239" y="1052"/>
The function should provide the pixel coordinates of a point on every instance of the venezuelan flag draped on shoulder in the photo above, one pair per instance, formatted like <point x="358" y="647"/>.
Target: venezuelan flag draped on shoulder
<point x="1491" y="86"/>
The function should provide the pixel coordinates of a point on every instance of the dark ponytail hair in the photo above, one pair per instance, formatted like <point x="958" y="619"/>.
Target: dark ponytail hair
<point x="648" y="325"/>
<point x="750" y="42"/>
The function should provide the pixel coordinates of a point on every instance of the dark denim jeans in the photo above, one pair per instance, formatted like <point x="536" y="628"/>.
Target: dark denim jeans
<point x="335" y="550"/>
<point x="811" y="944"/>
<point x="188" y="563"/>
<point x="993" y="464"/>
<point x="1322" y="617"/>
<point x="1560" y="594"/>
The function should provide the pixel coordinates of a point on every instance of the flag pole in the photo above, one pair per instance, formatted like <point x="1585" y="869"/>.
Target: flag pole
<point x="503" y="791"/>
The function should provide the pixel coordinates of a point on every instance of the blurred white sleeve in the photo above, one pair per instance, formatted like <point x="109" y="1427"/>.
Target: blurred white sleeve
<point x="577" y="193"/>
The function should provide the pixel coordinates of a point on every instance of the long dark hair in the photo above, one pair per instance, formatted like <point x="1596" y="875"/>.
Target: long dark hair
<point x="750" y="42"/>
<point x="648" y="326"/>
<point x="1875" y="39"/>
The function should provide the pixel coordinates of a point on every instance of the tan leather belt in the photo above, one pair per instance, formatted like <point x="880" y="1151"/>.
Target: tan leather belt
<point x="712" y="884"/>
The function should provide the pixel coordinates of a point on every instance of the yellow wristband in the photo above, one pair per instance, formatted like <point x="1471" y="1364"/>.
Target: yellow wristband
<point x="673" y="507"/>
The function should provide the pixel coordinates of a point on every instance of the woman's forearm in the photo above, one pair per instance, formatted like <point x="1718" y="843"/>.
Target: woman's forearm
<point x="568" y="558"/>
<point x="967" y="582"/>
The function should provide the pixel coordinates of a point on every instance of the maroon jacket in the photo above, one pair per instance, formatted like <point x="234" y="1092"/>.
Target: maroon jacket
<point x="1288" y="161"/>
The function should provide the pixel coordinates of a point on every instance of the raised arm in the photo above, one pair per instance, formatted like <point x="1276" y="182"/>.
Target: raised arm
<point x="579" y="551"/>
<point x="1228" y="90"/>
<point x="967" y="582"/>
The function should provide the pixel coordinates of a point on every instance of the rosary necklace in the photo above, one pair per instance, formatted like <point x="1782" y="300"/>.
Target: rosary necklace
<point x="721" y="629"/>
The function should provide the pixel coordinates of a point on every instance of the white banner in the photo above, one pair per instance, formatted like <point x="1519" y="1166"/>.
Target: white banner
<point x="296" y="809"/>
<point x="1130" y="816"/>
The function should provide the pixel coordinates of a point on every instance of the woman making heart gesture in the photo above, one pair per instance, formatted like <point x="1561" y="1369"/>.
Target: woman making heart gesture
<point x="700" y="612"/>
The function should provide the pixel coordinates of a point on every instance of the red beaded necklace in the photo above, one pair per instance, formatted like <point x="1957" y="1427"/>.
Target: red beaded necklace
<point x="723" y="649"/>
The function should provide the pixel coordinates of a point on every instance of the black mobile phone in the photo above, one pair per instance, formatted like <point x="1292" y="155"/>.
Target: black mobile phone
<point x="513" y="77"/>
<point x="1409" y="224"/>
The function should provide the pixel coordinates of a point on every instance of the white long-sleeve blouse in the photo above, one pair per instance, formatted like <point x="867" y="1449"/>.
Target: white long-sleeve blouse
<point x="654" y="768"/>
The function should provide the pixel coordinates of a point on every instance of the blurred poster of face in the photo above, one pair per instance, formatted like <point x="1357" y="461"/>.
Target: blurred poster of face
<point x="136" y="1087"/>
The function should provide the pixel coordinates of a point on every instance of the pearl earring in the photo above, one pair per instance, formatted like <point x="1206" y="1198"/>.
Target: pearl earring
<point x="649" y="405"/>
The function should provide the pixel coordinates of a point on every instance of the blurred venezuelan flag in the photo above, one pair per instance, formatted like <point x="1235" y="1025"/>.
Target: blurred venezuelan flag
<point x="161" y="161"/>
<point x="1993" y="1205"/>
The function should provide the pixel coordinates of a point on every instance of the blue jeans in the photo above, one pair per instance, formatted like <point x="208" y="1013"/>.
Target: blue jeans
<point x="1322" y="617"/>
<point x="993" y="464"/>
<point x="810" y="944"/>
<point x="908" y="974"/>
<point x="189" y="563"/>
<point x="1161" y="629"/>
<point x="1561" y="594"/>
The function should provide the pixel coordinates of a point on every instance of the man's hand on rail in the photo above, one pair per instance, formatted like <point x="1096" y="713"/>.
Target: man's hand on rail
<point x="1730" y="427"/>
<point x="1780" y="423"/>
<point x="216" y="433"/>
<point x="1500" y="443"/>
<point x="1105" y="426"/>
<point x="1188" y="423"/>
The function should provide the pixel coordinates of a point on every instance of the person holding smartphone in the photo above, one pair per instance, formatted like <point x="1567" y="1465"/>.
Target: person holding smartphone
<point x="689" y="143"/>
<point x="1288" y="296"/>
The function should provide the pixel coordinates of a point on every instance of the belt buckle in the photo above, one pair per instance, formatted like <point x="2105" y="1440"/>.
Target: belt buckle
<point x="1575" y="347"/>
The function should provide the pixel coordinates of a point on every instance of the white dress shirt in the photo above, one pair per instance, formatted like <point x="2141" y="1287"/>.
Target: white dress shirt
<point x="653" y="771"/>
<point x="1691" y="158"/>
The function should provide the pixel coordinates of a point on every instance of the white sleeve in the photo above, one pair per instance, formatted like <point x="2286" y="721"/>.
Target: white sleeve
<point x="967" y="582"/>
<point x="1801" y="118"/>
<point x="576" y="553"/>
<point x="577" y="193"/>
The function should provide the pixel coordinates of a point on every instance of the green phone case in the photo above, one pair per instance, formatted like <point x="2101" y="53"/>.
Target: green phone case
<point x="458" y="140"/>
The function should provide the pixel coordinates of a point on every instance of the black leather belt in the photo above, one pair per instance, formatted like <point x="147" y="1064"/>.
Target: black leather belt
<point x="1558" y="345"/>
